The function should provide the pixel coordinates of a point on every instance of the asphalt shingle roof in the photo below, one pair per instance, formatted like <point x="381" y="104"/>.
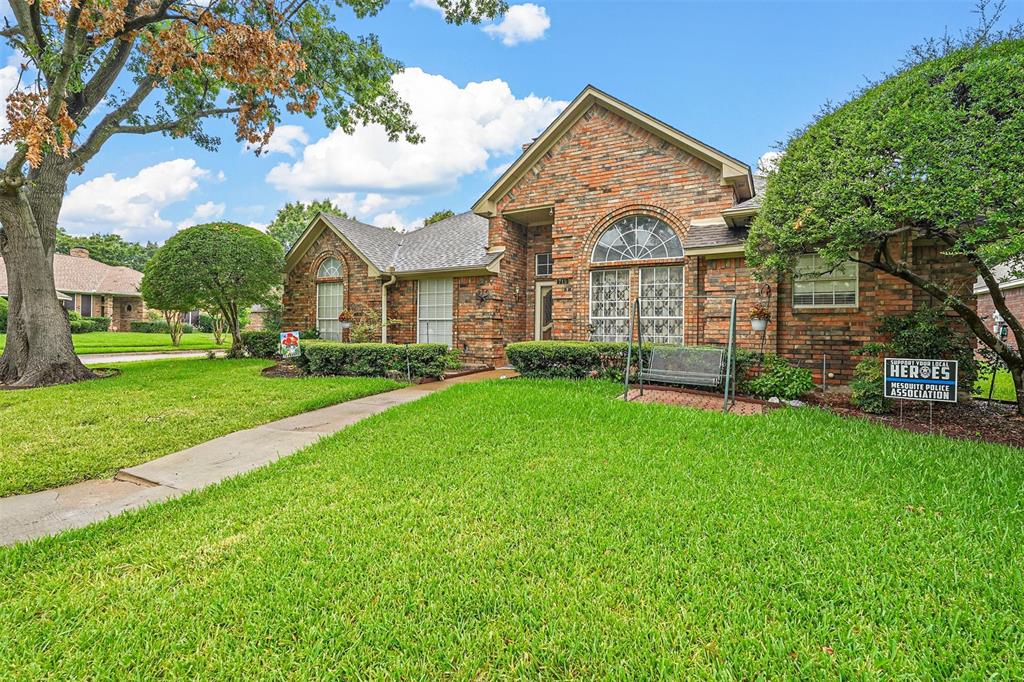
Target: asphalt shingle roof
<point x="705" y="236"/>
<point x="72" y="274"/>
<point x="760" y="182"/>
<point x="452" y="243"/>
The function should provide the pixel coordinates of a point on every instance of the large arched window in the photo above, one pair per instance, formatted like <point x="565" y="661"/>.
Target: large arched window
<point x="661" y="287"/>
<point x="330" y="299"/>
<point x="638" y="237"/>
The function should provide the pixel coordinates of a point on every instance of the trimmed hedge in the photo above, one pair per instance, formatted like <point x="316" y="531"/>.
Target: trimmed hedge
<point x="263" y="344"/>
<point x="3" y="315"/>
<point x="87" y="325"/>
<point x="590" y="360"/>
<point x="331" y="358"/>
<point x="158" y="327"/>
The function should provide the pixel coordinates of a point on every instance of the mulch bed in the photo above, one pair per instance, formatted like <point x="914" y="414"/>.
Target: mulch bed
<point x="974" y="420"/>
<point x="283" y="370"/>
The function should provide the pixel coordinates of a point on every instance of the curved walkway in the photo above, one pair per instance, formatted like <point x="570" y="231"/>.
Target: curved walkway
<point x="24" y="517"/>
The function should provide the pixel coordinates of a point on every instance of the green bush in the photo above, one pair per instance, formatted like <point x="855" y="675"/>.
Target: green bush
<point x="780" y="379"/>
<point x="867" y="390"/>
<point x="3" y="315"/>
<point x="260" y="344"/>
<point x="102" y="324"/>
<point x="87" y="325"/>
<point x="373" y="359"/>
<point x="453" y="360"/>
<point x="158" y="327"/>
<point x="74" y="315"/>
<point x="569" y="359"/>
<point x="930" y="333"/>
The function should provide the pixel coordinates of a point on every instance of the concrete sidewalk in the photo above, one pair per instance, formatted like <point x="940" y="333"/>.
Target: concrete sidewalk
<point x="24" y="517"/>
<point x="103" y="358"/>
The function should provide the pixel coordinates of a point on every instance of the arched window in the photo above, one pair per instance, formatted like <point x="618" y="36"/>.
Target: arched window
<point x="638" y="237"/>
<point x="330" y="299"/>
<point x="330" y="268"/>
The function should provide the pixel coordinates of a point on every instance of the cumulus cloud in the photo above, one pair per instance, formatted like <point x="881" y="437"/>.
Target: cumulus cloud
<point x="203" y="213"/>
<point x="769" y="162"/>
<point x="131" y="206"/>
<point x="465" y="128"/>
<point x="8" y="82"/>
<point x="521" y="24"/>
<point x="395" y="220"/>
<point x="285" y="140"/>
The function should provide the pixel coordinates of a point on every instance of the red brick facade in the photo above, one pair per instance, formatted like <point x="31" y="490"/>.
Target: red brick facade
<point x="1014" y="297"/>
<point x="603" y="168"/>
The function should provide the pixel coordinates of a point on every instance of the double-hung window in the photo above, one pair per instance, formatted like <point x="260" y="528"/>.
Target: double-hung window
<point x="815" y="285"/>
<point x="543" y="264"/>
<point x="434" y="315"/>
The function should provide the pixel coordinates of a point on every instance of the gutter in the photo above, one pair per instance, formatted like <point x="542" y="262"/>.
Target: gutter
<point x="384" y="306"/>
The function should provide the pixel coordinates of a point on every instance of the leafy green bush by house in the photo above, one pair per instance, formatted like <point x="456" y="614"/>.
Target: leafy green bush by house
<point x="867" y="390"/>
<point x="930" y="333"/>
<point x="158" y="327"/>
<point x="420" y="360"/>
<point x="3" y="315"/>
<point x="779" y="379"/>
<point x="102" y="324"/>
<point x="88" y="325"/>
<point x="263" y="344"/>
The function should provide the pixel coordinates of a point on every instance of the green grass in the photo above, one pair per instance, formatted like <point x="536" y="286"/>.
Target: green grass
<point x="62" y="434"/>
<point x="1004" y="389"/>
<point x="544" y="530"/>
<point x="134" y="342"/>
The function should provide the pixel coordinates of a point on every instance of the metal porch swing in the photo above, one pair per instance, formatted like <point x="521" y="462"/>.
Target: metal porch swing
<point x="679" y="364"/>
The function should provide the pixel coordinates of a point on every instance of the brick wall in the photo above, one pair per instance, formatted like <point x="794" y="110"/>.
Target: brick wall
<point x="1015" y="302"/>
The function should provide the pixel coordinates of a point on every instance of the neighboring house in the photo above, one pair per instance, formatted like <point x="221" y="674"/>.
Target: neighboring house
<point x="608" y="204"/>
<point x="1012" y="289"/>
<point x="94" y="289"/>
<point x="256" y="318"/>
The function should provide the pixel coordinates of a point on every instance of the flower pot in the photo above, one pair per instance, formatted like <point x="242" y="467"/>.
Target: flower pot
<point x="346" y="325"/>
<point x="759" y="324"/>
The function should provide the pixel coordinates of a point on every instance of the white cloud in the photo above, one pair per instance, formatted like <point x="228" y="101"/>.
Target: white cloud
<point x="203" y="213"/>
<point x="8" y="82"/>
<point x="131" y="206"/>
<point x="769" y="162"/>
<point x="428" y="4"/>
<point x="395" y="220"/>
<point x="285" y="139"/>
<point x="521" y="24"/>
<point x="465" y="128"/>
<point x="262" y="227"/>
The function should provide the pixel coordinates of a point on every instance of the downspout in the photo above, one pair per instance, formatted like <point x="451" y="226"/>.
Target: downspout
<point x="384" y="306"/>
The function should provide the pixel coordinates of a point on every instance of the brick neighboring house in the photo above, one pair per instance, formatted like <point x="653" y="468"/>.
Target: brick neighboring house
<point x="606" y="205"/>
<point x="1012" y="289"/>
<point x="94" y="289"/>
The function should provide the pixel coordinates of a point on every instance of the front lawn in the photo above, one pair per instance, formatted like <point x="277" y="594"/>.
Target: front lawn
<point x="1004" y="389"/>
<point x="134" y="342"/>
<point x="546" y="530"/>
<point x="62" y="434"/>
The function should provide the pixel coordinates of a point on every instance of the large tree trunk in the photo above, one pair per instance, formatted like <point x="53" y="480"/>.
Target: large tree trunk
<point x="39" y="351"/>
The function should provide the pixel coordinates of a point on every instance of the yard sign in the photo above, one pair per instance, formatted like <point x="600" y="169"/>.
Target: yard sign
<point x="916" y="379"/>
<point x="289" y="345"/>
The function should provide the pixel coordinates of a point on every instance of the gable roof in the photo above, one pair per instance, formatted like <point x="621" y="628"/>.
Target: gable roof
<point x="734" y="171"/>
<point x="72" y="274"/>
<point x="456" y="243"/>
<point x="750" y="207"/>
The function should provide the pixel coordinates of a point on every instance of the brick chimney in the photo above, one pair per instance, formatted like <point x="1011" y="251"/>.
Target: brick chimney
<point x="79" y="252"/>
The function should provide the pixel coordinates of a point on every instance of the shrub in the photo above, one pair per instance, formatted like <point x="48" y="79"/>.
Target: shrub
<point x="780" y="379"/>
<point x="260" y="344"/>
<point x="930" y="333"/>
<point x="74" y="315"/>
<point x="158" y="327"/>
<point x="568" y="359"/>
<point x="866" y="389"/>
<point x="3" y="315"/>
<point x="87" y="325"/>
<point x="102" y="324"/>
<point x="453" y="360"/>
<point x="373" y="359"/>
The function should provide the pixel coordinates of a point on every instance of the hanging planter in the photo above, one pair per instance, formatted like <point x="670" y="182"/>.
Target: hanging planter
<point x="760" y="316"/>
<point x="345" y="318"/>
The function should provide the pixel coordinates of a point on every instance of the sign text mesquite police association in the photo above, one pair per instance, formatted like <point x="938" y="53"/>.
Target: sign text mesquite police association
<point x="917" y="379"/>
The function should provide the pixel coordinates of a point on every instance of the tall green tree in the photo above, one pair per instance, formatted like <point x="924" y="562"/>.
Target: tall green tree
<point x="933" y="152"/>
<point x="291" y="220"/>
<point x="219" y="267"/>
<point x="438" y="216"/>
<point x="111" y="249"/>
<point x="100" y="69"/>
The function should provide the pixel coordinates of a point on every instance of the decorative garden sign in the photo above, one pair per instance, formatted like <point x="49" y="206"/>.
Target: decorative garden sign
<point x="917" y="379"/>
<point x="289" y="345"/>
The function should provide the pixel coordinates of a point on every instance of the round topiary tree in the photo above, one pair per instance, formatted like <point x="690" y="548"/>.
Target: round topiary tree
<point x="216" y="267"/>
<point x="934" y="152"/>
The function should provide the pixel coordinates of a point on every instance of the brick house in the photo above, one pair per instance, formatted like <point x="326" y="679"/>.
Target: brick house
<point x="94" y="289"/>
<point x="608" y="204"/>
<point x="1012" y="289"/>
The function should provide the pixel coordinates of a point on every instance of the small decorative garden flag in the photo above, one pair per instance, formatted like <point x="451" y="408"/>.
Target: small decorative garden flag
<point x="289" y="345"/>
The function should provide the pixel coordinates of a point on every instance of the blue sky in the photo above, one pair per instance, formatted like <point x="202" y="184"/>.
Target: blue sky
<point x="737" y="75"/>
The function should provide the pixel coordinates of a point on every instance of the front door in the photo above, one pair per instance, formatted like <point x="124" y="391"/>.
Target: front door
<point x="543" y="319"/>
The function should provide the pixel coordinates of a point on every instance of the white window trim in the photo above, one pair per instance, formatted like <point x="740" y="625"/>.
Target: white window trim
<point x="819" y="306"/>
<point x="590" y="293"/>
<point x="640" y="291"/>
<point x="536" y="265"/>
<point x="317" y="312"/>
<point x="419" y="290"/>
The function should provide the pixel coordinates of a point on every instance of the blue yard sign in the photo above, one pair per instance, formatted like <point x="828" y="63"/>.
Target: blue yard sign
<point x="916" y="379"/>
<point x="289" y="345"/>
